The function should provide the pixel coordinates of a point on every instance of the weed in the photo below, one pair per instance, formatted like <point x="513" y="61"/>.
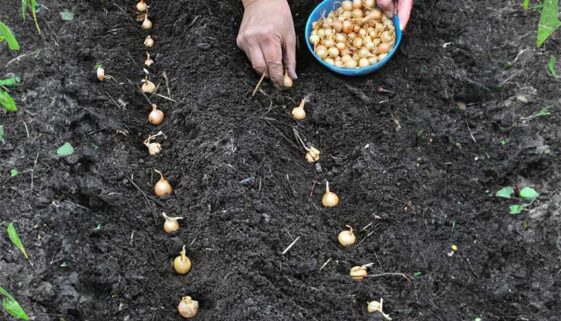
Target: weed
<point x="1" y="134"/>
<point x="6" y="100"/>
<point x="7" y="35"/>
<point x="32" y="5"/>
<point x="65" y="150"/>
<point x="12" y="306"/>
<point x="527" y="194"/>
<point x="549" y="21"/>
<point x="14" y="172"/>
<point x="551" y="66"/>
<point x="541" y="113"/>
<point x="14" y="237"/>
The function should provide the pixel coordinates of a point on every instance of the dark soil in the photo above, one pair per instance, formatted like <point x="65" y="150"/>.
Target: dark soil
<point x="413" y="151"/>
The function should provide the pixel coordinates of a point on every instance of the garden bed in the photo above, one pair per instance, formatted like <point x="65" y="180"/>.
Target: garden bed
<point x="416" y="153"/>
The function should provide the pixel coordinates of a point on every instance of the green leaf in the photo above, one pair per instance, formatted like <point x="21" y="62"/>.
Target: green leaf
<point x="551" y="64"/>
<point x="65" y="150"/>
<point x="67" y="15"/>
<point x="14" y="172"/>
<point x="515" y="209"/>
<point x="23" y="8"/>
<point x="505" y="192"/>
<point x="542" y="113"/>
<point x="504" y="141"/>
<point x="12" y="81"/>
<point x="33" y="4"/>
<point x="7" y="101"/>
<point x="12" y="306"/>
<point x="1" y="134"/>
<point x="14" y="237"/>
<point x="549" y="21"/>
<point x="525" y="4"/>
<point x="529" y="193"/>
<point x="7" y="35"/>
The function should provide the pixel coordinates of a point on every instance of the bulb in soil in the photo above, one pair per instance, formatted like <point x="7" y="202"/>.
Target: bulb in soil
<point x="329" y="198"/>
<point x="162" y="187"/>
<point x="358" y="273"/>
<point x="347" y="238"/>
<point x="298" y="113"/>
<point x="182" y="264"/>
<point x="146" y="24"/>
<point x="153" y="148"/>
<point x="100" y="73"/>
<point x="188" y="307"/>
<point x="148" y="86"/>
<point x="156" y="116"/>
<point x="287" y="81"/>
<point x="148" y="42"/>
<point x="148" y="62"/>
<point x="141" y="6"/>
<point x="171" y="224"/>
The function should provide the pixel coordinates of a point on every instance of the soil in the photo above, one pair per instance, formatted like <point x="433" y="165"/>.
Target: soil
<point x="416" y="153"/>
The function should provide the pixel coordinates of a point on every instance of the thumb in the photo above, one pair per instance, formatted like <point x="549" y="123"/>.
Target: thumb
<point x="387" y="6"/>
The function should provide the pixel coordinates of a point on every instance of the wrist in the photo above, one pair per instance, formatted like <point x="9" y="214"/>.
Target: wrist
<point x="247" y="3"/>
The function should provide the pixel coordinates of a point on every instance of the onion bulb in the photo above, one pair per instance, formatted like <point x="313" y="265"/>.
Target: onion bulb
<point x="358" y="273"/>
<point x="100" y="73"/>
<point x="378" y="306"/>
<point x="148" y="86"/>
<point x="298" y="113"/>
<point x="347" y="5"/>
<point x="182" y="264"/>
<point x="368" y="3"/>
<point x="188" y="307"/>
<point x="141" y="6"/>
<point x="329" y="199"/>
<point x="162" y="187"/>
<point x="312" y="155"/>
<point x="357" y="4"/>
<point x="153" y="147"/>
<point x="146" y="24"/>
<point x="156" y="116"/>
<point x="171" y="225"/>
<point x="287" y="81"/>
<point x="148" y="62"/>
<point x="148" y="42"/>
<point x="347" y="238"/>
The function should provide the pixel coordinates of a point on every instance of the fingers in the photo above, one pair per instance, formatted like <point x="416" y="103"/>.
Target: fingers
<point x="289" y="55"/>
<point x="387" y="6"/>
<point x="404" y="8"/>
<point x="272" y="52"/>
<point x="257" y="59"/>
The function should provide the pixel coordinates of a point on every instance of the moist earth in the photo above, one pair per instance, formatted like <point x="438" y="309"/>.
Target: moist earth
<point x="415" y="151"/>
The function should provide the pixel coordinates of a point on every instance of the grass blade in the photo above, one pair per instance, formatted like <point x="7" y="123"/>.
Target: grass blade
<point x="23" y="8"/>
<point x="7" y="35"/>
<point x="14" y="237"/>
<point x="551" y="64"/>
<point x="34" y="14"/>
<point x="12" y="306"/>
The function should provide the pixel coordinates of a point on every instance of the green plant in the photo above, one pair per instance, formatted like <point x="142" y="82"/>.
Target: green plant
<point x="544" y="111"/>
<point x="527" y="194"/>
<point x="1" y="134"/>
<point x="14" y="172"/>
<point x="14" y="237"/>
<point x="7" y="35"/>
<point x="525" y="4"/>
<point x="549" y="21"/>
<point x="551" y="66"/>
<point x="32" y="5"/>
<point x="12" y="306"/>
<point x="65" y="150"/>
<point x="6" y="100"/>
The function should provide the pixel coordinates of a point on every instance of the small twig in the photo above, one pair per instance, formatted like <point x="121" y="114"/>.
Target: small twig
<point x="388" y="274"/>
<point x="258" y="84"/>
<point x="469" y="129"/>
<point x="113" y="100"/>
<point x="368" y="235"/>
<point x="140" y="190"/>
<point x="164" y="97"/>
<point x="167" y="83"/>
<point x="33" y="173"/>
<point x="26" y="129"/>
<point x="325" y="264"/>
<point x="290" y="246"/>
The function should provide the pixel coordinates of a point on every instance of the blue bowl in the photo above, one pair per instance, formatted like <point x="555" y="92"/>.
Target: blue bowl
<point x="328" y="6"/>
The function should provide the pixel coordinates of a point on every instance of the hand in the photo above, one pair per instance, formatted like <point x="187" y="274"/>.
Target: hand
<point x="268" y="39"/>
<point x="403" y="9"/>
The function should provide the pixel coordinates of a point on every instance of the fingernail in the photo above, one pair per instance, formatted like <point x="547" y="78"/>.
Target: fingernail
<point x="295" y="76"/>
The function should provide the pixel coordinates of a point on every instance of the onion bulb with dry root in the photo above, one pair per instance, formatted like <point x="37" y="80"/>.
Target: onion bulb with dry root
<point x="329" y="199"/>
<point x="100" y="72"/>
<point x="188" y="307"/>
<point x="347" y="238"/>
<point x="148" y="62"/>
<point x="312" y="155"/>
<point x="148" y="86"/>
<point x="287" y="81"/>
<point x="171" y="224"/>
<point x="148" y="42"/>
<point x="182" y="264"/>
<point x="298" y="113"/>
<point x="162" y="187"/>
<point x="358" y="273"/>
<point x="141" y="6"/>
<point x="146" y="24"/>
<point x="378" y="306"/>
<point x="156" y="116"/>
<point x="357" y="34"/>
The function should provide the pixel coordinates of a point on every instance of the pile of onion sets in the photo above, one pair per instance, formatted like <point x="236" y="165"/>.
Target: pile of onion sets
<point x="355" y="35"/>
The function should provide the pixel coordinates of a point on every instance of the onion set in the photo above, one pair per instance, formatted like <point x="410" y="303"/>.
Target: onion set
<point x="298" y="113"/>
<point x="153" y="147"/>
<point x="162" y="187"/>
<point x="148" y="42"/>
<point x="156" y="116"/>
<point x="188" y="307"/>
<point x="171" y="224"/>
<point x="347" y="238"/>
<point x="329" y="199"/>
<point x="356" y="34"/>
<point x="182" y="264"/>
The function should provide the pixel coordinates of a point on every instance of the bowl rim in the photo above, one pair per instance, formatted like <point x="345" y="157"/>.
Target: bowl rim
<point x="349" y="71"/>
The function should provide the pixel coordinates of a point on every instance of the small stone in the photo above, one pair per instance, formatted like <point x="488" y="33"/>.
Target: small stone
<point x="203" y="46"/>
<point x="522" y="99"/>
